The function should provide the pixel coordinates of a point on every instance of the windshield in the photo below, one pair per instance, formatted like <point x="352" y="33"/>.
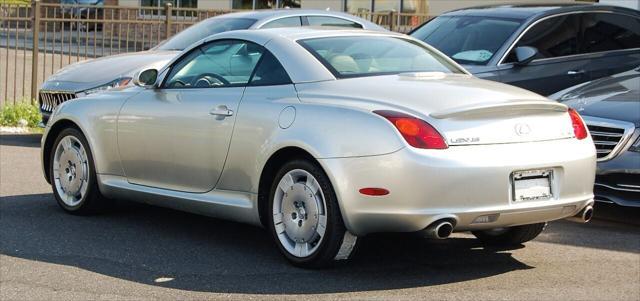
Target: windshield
<point x="467" y="39"/>
<point x="204" y="29"/>
<point x="357" y="56"/>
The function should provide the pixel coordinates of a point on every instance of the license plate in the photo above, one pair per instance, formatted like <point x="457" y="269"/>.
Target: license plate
<point x="532" y="185"/>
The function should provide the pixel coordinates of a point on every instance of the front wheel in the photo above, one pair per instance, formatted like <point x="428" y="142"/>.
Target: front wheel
<point x="510" y="236"/>
<point x="73" y="175"/>
<point x="305" y="219"/>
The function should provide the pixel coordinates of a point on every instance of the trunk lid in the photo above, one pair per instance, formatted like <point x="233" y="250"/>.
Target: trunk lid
<point x="464" y="109"/>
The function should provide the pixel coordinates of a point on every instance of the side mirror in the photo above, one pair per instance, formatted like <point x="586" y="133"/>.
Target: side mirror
<point x="525" y="54"/>
<point x="146" y="78"/>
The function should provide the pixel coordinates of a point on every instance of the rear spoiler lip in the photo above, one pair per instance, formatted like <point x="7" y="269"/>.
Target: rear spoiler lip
<point x="499" y="107"/>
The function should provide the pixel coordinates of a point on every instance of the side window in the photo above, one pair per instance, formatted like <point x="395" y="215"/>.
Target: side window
<point x="270" y="72"/>
<point x="608" y="31"/>
<point x="553" y="37"/>
<point x="284" y="22"/>
<point x="227" y="63"/>
<point x="331" y="21"/>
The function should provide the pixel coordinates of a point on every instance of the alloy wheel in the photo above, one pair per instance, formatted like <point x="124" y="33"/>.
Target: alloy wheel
<point x="299" y="213"/>
<point x="71" y="171"/>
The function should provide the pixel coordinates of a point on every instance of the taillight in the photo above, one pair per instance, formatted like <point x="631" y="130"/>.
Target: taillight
<point x="579" y="129"/>
<point x="418" y="133"/>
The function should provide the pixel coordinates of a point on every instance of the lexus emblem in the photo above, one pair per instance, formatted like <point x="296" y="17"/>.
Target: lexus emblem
<point x="522" y="129"/>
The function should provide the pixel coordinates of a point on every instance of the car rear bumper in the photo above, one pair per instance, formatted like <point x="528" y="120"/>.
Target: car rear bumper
<point x="462" y="183"/>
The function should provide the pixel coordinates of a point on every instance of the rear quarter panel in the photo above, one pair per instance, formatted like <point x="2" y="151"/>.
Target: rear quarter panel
<point x="324" y="131"/>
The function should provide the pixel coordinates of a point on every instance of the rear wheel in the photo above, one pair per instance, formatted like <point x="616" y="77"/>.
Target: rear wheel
<point x="73" y="176"/>
<point x="305" y="219"/>
<point x="511" y="235"/>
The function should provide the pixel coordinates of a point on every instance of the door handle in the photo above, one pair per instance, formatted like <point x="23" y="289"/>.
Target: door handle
<point x="575" y="72"/>
<point x="221" y="111"/>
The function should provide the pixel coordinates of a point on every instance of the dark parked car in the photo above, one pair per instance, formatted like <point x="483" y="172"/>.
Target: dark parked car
<point x="543" y="48"/>
<point x="83" y="10"/>
<point x="610" y="107"/>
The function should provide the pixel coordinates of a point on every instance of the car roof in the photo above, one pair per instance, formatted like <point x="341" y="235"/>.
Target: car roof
<point x="298" y="33"/>
<point x="265" y="15"/>
<point x="283" y="12"/>
<point x="282" y="43"/>
<point x="526" y="11"/>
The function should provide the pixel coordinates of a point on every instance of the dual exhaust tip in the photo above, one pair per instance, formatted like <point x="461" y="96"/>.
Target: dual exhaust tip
<point x="443" y="228"/>
<point x="584" y="216"/>
<point x="439" y="230"/>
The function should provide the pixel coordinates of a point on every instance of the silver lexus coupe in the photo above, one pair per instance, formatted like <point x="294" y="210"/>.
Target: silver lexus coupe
<point x="323" y="136"/>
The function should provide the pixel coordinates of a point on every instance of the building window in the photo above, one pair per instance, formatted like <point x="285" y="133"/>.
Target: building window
<point x="290" y="3"/>
<point x="405" y="6"/>
<point x="386" y="5"/>
<point x="358" y="6"/>
<point x="176" y="3"/>
<point x="242" y="4"/>
<point x="160" y="5"/>
<point x="415" y="6"/>
<point x="264" y="4"/>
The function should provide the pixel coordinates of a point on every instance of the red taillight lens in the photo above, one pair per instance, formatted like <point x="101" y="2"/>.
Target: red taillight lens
<point x="416" y="132"/>
<point x="579" y="129"/>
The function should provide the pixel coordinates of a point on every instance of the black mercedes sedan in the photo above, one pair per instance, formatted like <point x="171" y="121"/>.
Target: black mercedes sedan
<point x="542" y="48"/>
<point x="610" y="107"/>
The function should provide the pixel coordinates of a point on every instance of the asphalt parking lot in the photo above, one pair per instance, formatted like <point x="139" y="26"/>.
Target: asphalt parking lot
<point x="139" y="252"/>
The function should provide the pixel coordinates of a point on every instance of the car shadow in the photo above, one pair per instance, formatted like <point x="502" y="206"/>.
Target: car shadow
<point x="616" y="229"/>
<point x="168" y="248"/>
<point x="24" y="140"/>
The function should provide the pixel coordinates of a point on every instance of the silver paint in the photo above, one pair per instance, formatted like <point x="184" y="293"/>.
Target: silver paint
<point x="163" y="146"/>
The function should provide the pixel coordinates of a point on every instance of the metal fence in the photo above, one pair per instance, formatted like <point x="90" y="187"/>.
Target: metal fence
<point x="39" y="39"/>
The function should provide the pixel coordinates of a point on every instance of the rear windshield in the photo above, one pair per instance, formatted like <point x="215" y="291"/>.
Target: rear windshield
<point x="467" y="39"/>
<point x="204" y="29"/>
<point x="357" y="56"/>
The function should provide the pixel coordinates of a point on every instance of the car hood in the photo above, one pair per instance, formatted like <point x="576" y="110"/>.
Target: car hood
<point x="616" y="97"/>
<point x="91" y="73"/>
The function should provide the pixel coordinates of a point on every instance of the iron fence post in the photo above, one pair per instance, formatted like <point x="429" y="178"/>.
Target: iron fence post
<point x="391" y="13"/>
<point x="168" y="19"/>
<point x="35" y="29"/>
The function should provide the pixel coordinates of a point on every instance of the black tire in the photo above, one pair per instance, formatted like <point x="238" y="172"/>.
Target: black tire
<point x="332" y="240"/>
<point x="510" y="236"/>
<point x="92" y="201"/>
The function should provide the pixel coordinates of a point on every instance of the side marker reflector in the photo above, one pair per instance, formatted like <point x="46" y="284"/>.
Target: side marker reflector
<point x="374" y="191"/>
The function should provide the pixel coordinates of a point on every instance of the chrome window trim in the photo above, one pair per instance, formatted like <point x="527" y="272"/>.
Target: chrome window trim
<point x="577" y="55"/>
<point x="628" y="128"/>
<point x="264" y="22"/>
<point x="506" y="53"/>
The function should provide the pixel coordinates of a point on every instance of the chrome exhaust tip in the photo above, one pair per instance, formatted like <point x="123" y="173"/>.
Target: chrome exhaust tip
<point x="584" y="216"/>
<point x="439" y="229"/>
